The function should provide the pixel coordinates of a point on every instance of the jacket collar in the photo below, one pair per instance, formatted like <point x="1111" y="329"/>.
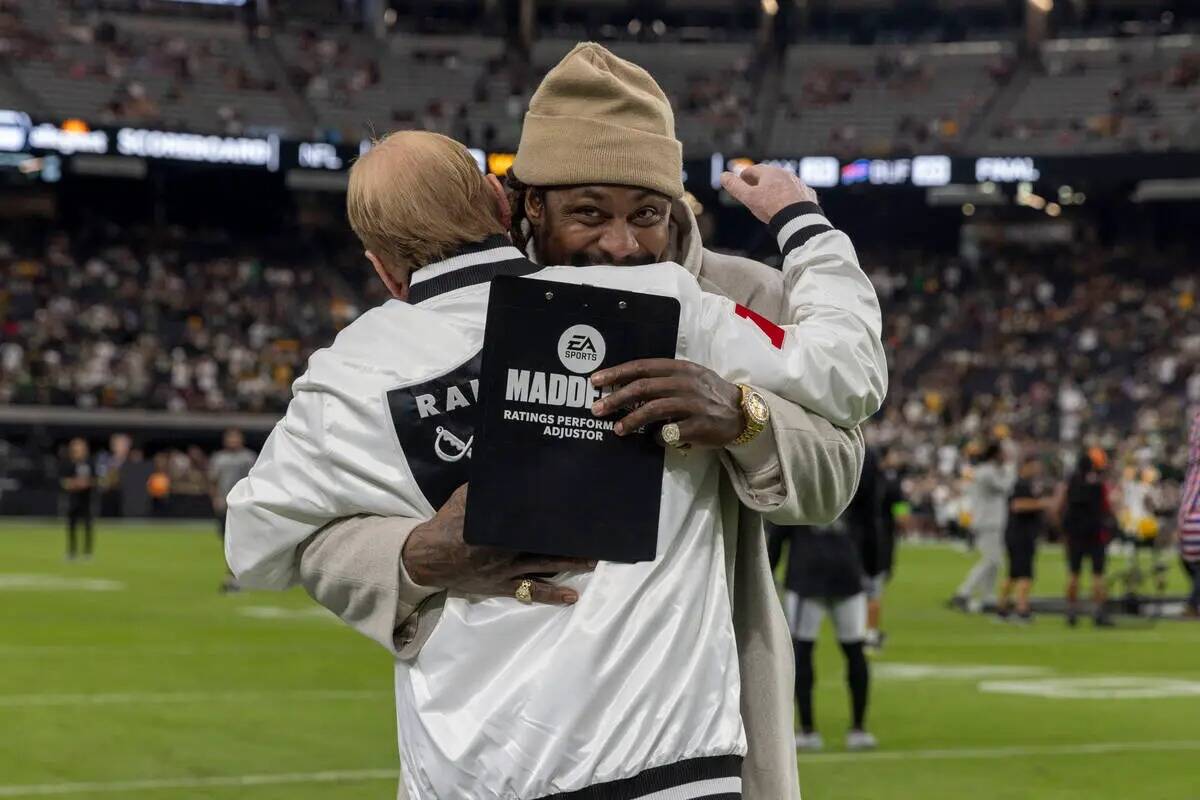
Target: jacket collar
<point x="473" y="264"/>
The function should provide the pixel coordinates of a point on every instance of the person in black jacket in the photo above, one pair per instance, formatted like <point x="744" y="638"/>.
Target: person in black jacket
<point x="1026" y="516"/>
<point x="826" y="575"/>
<point x="78" y="480"/>
<point x="1085" y="515"/>
<point x="892" y="511"/>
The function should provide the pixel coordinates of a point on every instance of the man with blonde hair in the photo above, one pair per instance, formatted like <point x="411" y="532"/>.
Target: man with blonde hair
<point x="443" y="202"/>
<point x="632" y="691"/>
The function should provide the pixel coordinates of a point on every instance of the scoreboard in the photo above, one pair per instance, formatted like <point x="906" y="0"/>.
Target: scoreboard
<point x="44" y="149"/>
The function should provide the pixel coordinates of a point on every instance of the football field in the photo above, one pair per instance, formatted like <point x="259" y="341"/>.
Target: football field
<point x="129" y="676"/>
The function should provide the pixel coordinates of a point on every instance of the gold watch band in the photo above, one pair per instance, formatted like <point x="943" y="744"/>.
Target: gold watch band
<point x="754" y="415"/>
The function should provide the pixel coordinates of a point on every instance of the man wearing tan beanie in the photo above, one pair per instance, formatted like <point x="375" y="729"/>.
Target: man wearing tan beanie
<point x="598" y="180"/>
<point x="599" y="173"/>
<point x="597" y="118"/>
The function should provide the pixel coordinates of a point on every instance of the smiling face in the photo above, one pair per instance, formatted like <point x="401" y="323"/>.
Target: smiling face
<point x="599" y="224"/>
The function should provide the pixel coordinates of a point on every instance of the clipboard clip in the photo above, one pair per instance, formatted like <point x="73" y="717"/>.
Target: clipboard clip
<point x="621" y="304"/>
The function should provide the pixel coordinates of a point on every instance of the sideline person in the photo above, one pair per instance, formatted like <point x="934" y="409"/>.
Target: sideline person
<point x="77" y="476"/>
<point x="1027" y="511"/>
<point x="993" y="482"/>
<point x="894" y="512"/>
<point x="826" y="577"/>
<point x="1083" y="509"/>
<point x="226" y="467"/>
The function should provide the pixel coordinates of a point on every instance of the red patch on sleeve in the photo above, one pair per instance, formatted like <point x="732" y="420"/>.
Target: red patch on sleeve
<point x="773" y="331"/>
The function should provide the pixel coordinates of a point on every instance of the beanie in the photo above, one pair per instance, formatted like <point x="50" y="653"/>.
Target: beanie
<point x="597" y="118"/>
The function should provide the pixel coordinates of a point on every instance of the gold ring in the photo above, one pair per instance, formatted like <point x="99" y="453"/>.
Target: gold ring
<point x="670" y="435"/>
<point x="524" y="593"/>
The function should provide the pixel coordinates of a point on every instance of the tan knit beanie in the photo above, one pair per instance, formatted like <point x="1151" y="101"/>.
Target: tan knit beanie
<point x="598" y="118"/>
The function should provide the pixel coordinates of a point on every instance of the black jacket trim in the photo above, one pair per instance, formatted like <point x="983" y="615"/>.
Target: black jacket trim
<point x="669" y="776"/>
<point x="470" y="276"/>
<point x="801" y="237"/>
<point x="789" y="213"/>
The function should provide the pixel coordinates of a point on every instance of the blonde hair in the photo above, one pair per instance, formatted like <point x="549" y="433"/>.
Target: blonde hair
<point x="416" y="197"/>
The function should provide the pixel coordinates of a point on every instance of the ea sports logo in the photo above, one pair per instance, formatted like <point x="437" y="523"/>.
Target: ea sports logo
<point x="581" y="348"/>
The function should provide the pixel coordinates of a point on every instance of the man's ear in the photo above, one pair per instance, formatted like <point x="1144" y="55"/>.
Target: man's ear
<point x="535" y="206"/>
<point x="500" y="196"/>
<point x="398" y="287"/>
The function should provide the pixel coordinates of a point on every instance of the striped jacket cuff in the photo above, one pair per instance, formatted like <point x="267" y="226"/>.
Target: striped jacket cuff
<point x="796" y="224"/>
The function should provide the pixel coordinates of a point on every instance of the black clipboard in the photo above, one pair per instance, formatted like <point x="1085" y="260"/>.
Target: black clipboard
<point x="546" y="475"/>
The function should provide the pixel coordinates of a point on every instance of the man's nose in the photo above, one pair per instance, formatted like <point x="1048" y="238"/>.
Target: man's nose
<point x="618" y="241"/>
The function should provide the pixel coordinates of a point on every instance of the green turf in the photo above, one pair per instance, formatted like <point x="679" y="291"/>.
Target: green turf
<point x="165" y="680"/>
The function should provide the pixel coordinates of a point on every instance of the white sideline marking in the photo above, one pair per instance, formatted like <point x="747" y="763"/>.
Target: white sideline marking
<point x="157" y="650"/>
<point x="1097" y="688"/>
<point x="338" y="776"/>
<point x="164" y="698"/>
<point x="56" y="583"/>
<point x="897" y="671"/>
<point x="964" y="753"/>
<point x="1052" y="639"/>
<point x="278" y="612"/>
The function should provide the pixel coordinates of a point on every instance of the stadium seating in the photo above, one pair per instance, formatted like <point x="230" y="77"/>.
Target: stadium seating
<point x="133" y="70"/>
<point x="874" y="100"/>
<point x="1078" y="95"/>
<point x="193" y="74"/>
<point x="1104" y="95"/>
<point x="420" y="82"/>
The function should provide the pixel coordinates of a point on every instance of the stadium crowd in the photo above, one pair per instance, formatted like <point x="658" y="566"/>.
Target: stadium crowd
<point x="103" y="320"/>
<point x="1092" y="346"/>
<point x="1089" y="344"/>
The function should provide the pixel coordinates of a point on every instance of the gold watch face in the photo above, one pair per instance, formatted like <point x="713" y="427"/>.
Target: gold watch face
<point x="756" y="408"/>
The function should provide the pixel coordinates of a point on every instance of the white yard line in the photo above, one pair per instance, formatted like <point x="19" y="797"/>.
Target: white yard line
<point x="110" y="526"/>
<point x="165" y="698"/>
<point x="340" y="776"/>
<point x="1021" y="639"/>
<point x="157" y="650"/>
<point x="967" y="753"/>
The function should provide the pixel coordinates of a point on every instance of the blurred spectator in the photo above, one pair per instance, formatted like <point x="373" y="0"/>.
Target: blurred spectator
<point x="893" y="512"/>
<point x="228" y="466"/>
<point x="1085" y="513"/>
<point x="1027" y="509"/>
<point x="159" y="484"/>
<point x="78" y="480"/>
<point x="993" y="481"/>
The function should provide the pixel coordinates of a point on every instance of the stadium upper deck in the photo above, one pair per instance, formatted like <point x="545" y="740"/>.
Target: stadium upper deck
<point x="1068" y="95"/>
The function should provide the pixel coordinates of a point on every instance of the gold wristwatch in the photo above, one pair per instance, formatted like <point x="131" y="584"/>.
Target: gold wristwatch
<point x="755" y="413"/>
